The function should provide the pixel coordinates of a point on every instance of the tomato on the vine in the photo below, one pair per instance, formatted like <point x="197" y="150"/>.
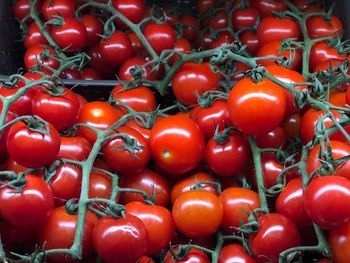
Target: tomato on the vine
<point x="319" y="26"/>
<point x="63" y="8"/>
<point x="134" y="10"/>
<point x="160" y="36"/>
<point x="234" y="253"/>
<point x="93" y="28"/>
<point x="339" y="242"/>
<point x="44" y="55"/>
<point x="194" y="255"/>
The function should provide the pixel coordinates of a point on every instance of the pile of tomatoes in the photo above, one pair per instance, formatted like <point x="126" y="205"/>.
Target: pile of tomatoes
<point x="225" y="138"/>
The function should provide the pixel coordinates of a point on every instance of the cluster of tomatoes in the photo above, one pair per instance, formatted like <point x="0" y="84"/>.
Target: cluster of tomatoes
<point x="251" y="164"/>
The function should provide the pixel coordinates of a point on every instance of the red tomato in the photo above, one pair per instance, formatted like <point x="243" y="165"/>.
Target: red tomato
<point x="23" y="105"/>
<point x="75" y="148"/>
<point x="12" y="165"/>
<point x="276" y="233"/>
<point x="60" y="110"/>
<point x="93" y="28"/>
<point x="291" y="126"/>
<point x="138" y="126"/>
<point x="236" y="203"/>
<point x="70" y="73"/>
<point x="116" y="49"/>
<point x="194" y="255"/>
<point x="27" y="207"/>
<point x="100" y="185"/>
<point x="225" y="38"/>
<point x="147" y="181"/>
<point x="90" y="74"/>
<point x="274" y="139"/>
<point x="136" y="43"/>
<point x="339" y="242"/>
<point x="251" y="41"/>
<point x="63" y="8"/>
<point x="170" y="155"/>
<point x="58" y="232"/>
<point x="160" y="36"/>
<point x="32" y="148"/>
<point x="318" y="26"/>
<point x="234" y="253"/>
<point x="35" y="54"/>
<point x="120" y="240"/>
<point x="140" y="99"/>
<point x="98" y="63"/>
<point x="271" y="169"/>
<point x="204" y="5"/>
<point x="211" y="117"/>
<point x="134" y="10"/>
<point x="188" y="27"/>
<point x="183" y="46"/>
<point x="266" y="7"/>
<point x="219" y="21"/>
<point x="21" y="8"/>
<point x="290" y="203"/>
<point x="124" y="71"/>
<point x="159" y="223"/>
<point x="4" y="135"/>
<point x="197" y="213"/>
<point x="256" y="108"/>
<point x="34" y="36"/>
<point x="121" y="157"/>
<point x="244" y="18"/>
<point x="227" y="158"/>
<point x="98" y="114"/>
<point x="326" y="200"/>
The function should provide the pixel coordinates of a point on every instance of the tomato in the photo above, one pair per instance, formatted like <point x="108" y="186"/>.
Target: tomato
<point x="290" y="203"/>
<point x="291" y="126"/>
<point x="28" y="207"/>
<point x="60" y="110"/>
<point x="32" y="148"/>
<point x="145" y="259"/>
<point x="244" y="18"/>
<point x="225" y="38"/>
<point x="63" y="8"/>
<point x="266" y="7"/>
<point x="234" y="253"/>
<point x="188" y="27"/>
<point x="70" y="73"/>
<point x="38" y="53"/>
<point x="66" y="183"/>
<point x="339" y="242"/>
<point x="204" y="41"/>
<point x="273" y="48"/>
<point x="120" y="240"/>
<point x="93" y="28"/>
<point x="189" y="82"/>
<point x="116" y="49"/>
<point x="134" y="10"/>
<point x="138" y="126"/>
<point x="274" y="139"/>
<point x="219" y="21"/>
<point x="227" y="158"/>
<point x="326" y="200"/>
<point x="147" y="181"/>
<point x="194" y="255"/>
<point x="236" y="203"/>
<point x="159" y="224"/>
<point x="197" y="213"/>
<point x="23" y="105"/>
<point x="34" y="36"/>
<point x="58" y="232"/>
<point x="256" y="108"/>
<point x="168" y="153"/>
<point x="211" y="117"/>
<point x="121" y="157"/>
<point x="183" y="46"/>
<point x="21" y="9"/>
<point x="100" y="185"/>
<point x="160" y="36"/>
<point x="140" y="99"/>
<point x="12" y="165"/>
<point x="136" y="43"/>
<point x="251" y="41"/>
<point x="276" y="233"/>
<point x="124" y="71"/>
<point x="31" y="77"/>
<point x="74" y="148"/>
<point x="187" y="184"/>
<point x="98" y="63"/>
<point x="318" y="26"/>
<point x="90" y="74"/>
<point x="204" y="5"/>
<point x="98" y="114"/>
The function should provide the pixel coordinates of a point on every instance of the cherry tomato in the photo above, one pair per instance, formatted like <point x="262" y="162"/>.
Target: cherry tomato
<point x="93" y="28"/>
<point x="204" y="5"/>
<point x="244" y="18"/>
<point x="266" y="7"/>
<point x="21" y="8"/>
<point x="276" y="233"/>
<point x="74" y="148"/>
<point x="120" y="240"/>
<point x="70" y="73"/>
<point x="40" y="53"/>
<point x="234" y="253"/>
<point x="339" y="242"/>
<point x="197" y="213"/>
<point x="23" y="105"/>
<point x="338" y="99"/>
<point x="90" y="74"/>
<point x="194" y="255"/>
<point x="136" y="43"/>
<point x="168" y="153"/>
<point x="219" y="21"/>
<point x="100" y="185"/>
<point x="63" y="8"/>
<point x="320" y="27"/>
<point x="138" y="126"/>
<point x="32" y="148"/>
<point x="12" y="165"/>
<point x="274" y="139"/>
<point x="28" y="207"/>
<point x="291" y="126"/>
<point x="134" y="10"/>
<point x="188" y="27"/>
<point x="183" y="46"/>
<point x="160" y="36"/>
<point x="98" y="63"/>
<point x="225" y="38"/>
<point x="34" y="36"/>
<point x="251" y="41"/>
<point x="256" y="108"/>
<point x="124" y="71"/>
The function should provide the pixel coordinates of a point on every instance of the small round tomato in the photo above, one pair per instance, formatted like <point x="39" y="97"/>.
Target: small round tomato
<point x="134" y="10"/>
<point x="225" y="38"/>
<point x="120" y="240"/>
<point x="266" y="7"/>
<point x="138" y="126"/>
<point x="219" y="21"/>
<point x="98" y="63"/>
<point x="27" y="207"/>
<point x="276" y="233"/>
<point x="234" y="253"/>
<point x="124" y="70"/>
<point x="319" y="26"/>
<point x="251" y="41"/>
<point x="12" y="165"/>
<point x="74" y="148"/>
<point x="40" y="54"/>
<point x="100" y="185"/>
<point x="194" y="255"/>
<point x="70" y="73"/>
<point x="23" y="105"/>
<point x="32" y="148"/>
<point x="188" y="27"/>
<point x="136" y="43"/>
<point x="291" y="126"/>
<point x="256" y="108"/>
<point x="63" y="8"/>
<point x="339" y="99"/>
<point x="244" y="18"/>
<point x="326" y="201"/>
<point x="274" y="139"/>
<point x="90" y="74"/>
<point x="160" y="36"/>
<point x="236" y="203"/>
<point x="339" y="242"/>
<point x="34" y="36"/>
<point x="159" y="223"/>
<point x="197" y="213"/>
<point x="21" y="9"/>
<point x="93" y="28"/>
<point x="183" y="46"/>
<point x="170" y="155"/>
<point x="58" y="231"/>
<point x="204" y="5"/>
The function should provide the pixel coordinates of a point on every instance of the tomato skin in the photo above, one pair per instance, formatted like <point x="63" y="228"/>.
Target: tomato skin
<point x="23" y="105"/>
<point x="122" y="160"/>
<point x="224" y="38"/>
<point x="31" y="148"/>
<point x="235" y="201"/>
<point x="326" y="200"/>
<point x="12" y="165"/>
<point x="197" y="213"/>
<point x="204" y="5"/>
<point x="251" y="41"/>
<point x="189" y="27"/>
<point x="160" y="36"/>
<point x="120" y="240"/>
<point x="159" y="223"/>
<point x="98" y="63"/>
<point x="35" y="53"/>
<point x="212" y="117"/>
<point x="140" y="99"/>
<point x="100" y="185"/>
<point x="275" y="234"/>
<point x="61" y="111"/>
<point x="291" y="126"/>
<point x="339" y="242"/>
<point x="58" y="232"/>
<point x="256" y="108"/>
<point x="183" y="46"/>
<point x="74" y="148"/>
<point x="90" y="74"/>
<point x="136" y="43"/>
<point x="64" y="8"/>
<point x="124" y="70"/>
<point x="146" y="180"/>
<point x="244" y="18"/>
<point x="116" y="49"/>
<point x="274" y="139"/>
<point x="93" y="28"/>
<point x="146" y="132"/>
<point x="70" y="73"/>
<point x="234" y="253"/>
<point x="320" y="27"/>
<point x="21" y="8"/>
<point x="134" y="10"/>
<point x="194" y="256"/>
<point x="34" y="36"/>
<point x="266" y="7"/>
<point x="166" y="150"/>
<point x="28" y="208"/>
<point x="228" y="158"/>
<point x="219" y="21"/>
